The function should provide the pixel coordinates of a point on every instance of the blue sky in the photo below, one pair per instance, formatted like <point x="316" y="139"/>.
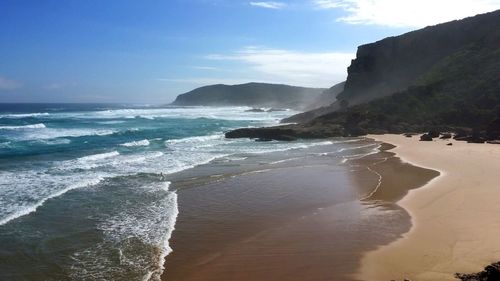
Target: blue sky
<point x="150" y="51"/>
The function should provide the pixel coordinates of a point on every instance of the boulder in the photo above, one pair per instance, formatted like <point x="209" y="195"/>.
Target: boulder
<point x="425" y="137"/>
<point x="445" y="136"/>
<point x="462" y="133"/>
<point x="434" y="134"/>
<point x="255" y="110"/>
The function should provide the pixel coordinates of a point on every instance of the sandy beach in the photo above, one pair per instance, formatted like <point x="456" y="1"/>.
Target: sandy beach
<point x="311" y="217"/>
<point x="454" y="216"/>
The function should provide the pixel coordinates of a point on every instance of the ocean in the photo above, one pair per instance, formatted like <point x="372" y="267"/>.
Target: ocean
<point x="85" y="189"/>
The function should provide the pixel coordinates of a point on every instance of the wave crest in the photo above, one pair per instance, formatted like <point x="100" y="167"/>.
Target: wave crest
<point x="136" y="143"/>
<point x="31" y="126"/>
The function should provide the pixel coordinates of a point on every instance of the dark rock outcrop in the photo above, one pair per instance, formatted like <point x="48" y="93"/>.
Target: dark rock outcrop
<point x="425" y="137"/>
<point x="434" y="134"/>
<point x="288" y="132"/>
<point x="490" y="273"/>
<point x="445" y="136"/>
<point x="255" y="110"/>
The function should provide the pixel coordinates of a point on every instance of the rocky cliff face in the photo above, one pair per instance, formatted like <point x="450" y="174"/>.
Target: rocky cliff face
<point x="396" y="63"/>
<point x="443" y="78"/>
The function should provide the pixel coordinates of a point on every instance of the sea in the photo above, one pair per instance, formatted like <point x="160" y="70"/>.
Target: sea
<point x="85" y="189"/>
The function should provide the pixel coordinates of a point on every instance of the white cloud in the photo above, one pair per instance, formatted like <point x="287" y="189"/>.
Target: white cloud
<point x="406" y="13"/>
<point x="205" y="67"/>
<point x="291" y="67"/>
<point x="269" y="5"/>
<point x="8" y="84"/>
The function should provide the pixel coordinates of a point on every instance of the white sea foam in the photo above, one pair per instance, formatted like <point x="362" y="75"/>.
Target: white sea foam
<point x="357" y="147"/>
<point x="53" y="133"/>
<point x="112" y="122"/>
<point x="197" y="139"/>
<point x="57" y="141"/>
<point x="362" y="155"/>
<point x="235" y="158"/>
<point x="16" y="209"/>
<point x="136" y="143"/>
<point x="223" y="113"/>
<point x="100" y="156"/>
<point x="147" y="222"/>
<point x="284" y="160"/>
<point x="24" y="115"/>
<point x="280" y="146"/>
<point x="140" y="159"/>
<point x="24" y="127"/>
<point x="5" y="144"/>
<point x="153" y="225"/>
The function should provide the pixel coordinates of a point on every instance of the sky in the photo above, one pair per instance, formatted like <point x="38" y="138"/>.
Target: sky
<point x="150" y="51"/>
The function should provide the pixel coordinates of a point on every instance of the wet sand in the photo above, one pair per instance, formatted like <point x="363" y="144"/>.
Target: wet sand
<point x="312" y="218"/>
<point x="455" y="216"/>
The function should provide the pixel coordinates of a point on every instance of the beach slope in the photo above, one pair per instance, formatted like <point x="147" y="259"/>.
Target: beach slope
<point x="455" y="216"/>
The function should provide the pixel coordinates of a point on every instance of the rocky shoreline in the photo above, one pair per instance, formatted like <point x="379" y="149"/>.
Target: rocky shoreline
<point x="287" y="132"/>
<point x="294" y="132"/>
<point x="490" y="273"/>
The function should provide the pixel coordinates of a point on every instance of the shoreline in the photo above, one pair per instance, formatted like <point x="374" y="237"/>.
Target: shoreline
<point x="288" y="221"/>
<point x="453" y="216"/>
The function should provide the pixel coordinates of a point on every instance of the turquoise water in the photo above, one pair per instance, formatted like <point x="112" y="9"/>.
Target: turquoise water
<point x="84" y="189"/>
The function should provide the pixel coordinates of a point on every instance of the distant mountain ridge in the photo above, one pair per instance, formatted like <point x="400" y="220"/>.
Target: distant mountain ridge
<point x="256" y="95"/>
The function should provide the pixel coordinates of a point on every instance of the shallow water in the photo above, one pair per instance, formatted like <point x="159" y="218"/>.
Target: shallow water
<point x="85" y="189"/>
<point x="300" y="214"/>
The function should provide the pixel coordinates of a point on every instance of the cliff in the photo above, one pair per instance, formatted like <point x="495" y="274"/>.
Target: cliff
<point x="396" y="63"/>
<point x="444" y="77"/>
<point x="252" y="94"/>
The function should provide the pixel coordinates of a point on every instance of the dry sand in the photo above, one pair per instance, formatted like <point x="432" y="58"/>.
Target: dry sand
<point x="456" y="223"/>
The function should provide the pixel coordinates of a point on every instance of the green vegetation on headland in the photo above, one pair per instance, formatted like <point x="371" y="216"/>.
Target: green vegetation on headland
<point x="441" y="78"/>
<point x="258" y="95"/>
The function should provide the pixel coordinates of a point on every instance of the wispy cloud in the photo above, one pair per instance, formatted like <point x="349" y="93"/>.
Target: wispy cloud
<point x="269" y="5"/>
<point x="8" y="84"/>
<point x="315" y="69"/>
<point x="398" y="13"/>
<point x="204" y="67"/>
